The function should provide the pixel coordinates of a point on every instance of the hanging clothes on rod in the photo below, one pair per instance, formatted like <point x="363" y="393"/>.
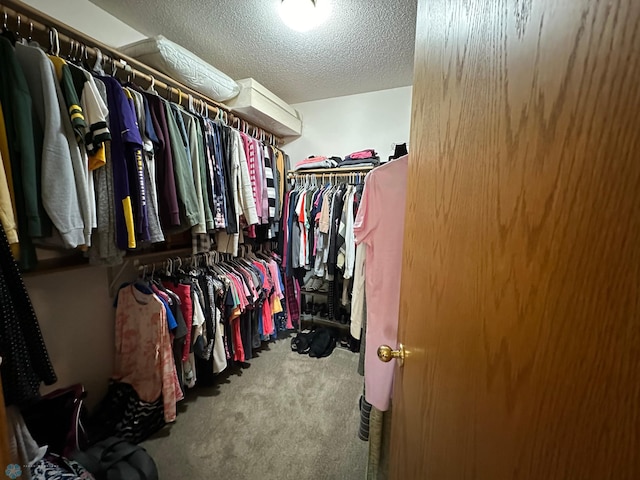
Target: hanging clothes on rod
<point x="81" y="46"/>
<point x="188" y="319"/>
<point x="72" y="183"/>
<point x="317" y="235"/>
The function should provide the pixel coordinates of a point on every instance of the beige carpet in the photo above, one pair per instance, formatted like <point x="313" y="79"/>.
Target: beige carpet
<point x="286" y="416"/>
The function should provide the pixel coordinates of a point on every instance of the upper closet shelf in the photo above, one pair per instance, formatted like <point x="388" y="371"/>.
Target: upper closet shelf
<point x="247" y="98"/>
<point x="265" y="109"/>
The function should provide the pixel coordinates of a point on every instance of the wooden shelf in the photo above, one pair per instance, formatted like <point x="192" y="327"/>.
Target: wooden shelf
<point x="316" y="292"/>
<point x="324" y="322"/>
<point x="56" y="260"/>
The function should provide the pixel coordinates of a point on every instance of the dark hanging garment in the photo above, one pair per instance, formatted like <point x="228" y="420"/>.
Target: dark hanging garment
<point x="231" y="215"/>
<point x="185" y="188"/>
<point x="16" y="106"/>
<point x="25" y="361"/>
<point x="165" y="178"/>
<point x="334" y="247"/>
<point x="214" y="196"/>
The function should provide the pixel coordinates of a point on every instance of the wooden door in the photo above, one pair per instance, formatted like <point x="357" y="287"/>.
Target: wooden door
<point x="520" y="304"/>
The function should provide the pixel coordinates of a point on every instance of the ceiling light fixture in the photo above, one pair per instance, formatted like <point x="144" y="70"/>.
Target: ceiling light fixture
<point x="304" y="15"/>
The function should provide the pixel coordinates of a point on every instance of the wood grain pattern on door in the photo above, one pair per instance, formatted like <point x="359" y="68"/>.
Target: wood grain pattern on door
<point x="520" y="294"/>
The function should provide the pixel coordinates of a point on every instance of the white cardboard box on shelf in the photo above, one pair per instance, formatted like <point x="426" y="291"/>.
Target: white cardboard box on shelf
<point x="260" y="106"/>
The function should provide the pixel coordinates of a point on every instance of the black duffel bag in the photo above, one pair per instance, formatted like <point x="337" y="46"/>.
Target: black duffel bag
<point x="117" y="459"/>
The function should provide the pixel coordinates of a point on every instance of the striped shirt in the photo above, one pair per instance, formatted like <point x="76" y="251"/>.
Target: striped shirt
<point x="271" y="187"/>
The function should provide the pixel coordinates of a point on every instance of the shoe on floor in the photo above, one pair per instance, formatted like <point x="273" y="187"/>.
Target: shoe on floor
<point x="308" y="307"/>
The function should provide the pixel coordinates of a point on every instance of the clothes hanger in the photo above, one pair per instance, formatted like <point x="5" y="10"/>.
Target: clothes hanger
<point x="114" y="68"/>
<point x="6" y="33"/>
<point x="151" y="88"/>
<point x="190" y="104"/>
<point x="180" y="270"/>
<point x="82" y="51"/>
<point x="18" y="23"/>
<point x="72" y="44"/>
<point x="213" y="263"/>
<point x="76" y="53"/>
<point x="222" y="264"/>
<point x="205" y="109"/>
<point x="54" y="42"/>
<point x="141" y="283"/>
<point x="263" y="255"/>
<point x="97" y="66"/>
<point x="130" y="71"/>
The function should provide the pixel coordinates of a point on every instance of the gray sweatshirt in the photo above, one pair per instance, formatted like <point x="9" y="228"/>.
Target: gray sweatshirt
<point x="60" y="196"/>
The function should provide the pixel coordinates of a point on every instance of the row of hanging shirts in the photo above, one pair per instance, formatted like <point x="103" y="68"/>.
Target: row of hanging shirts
<point x="317" y="231"/>
<point x="191" y="320"/>
<point x="92" y="163"/>
<point x="319" y="214"/>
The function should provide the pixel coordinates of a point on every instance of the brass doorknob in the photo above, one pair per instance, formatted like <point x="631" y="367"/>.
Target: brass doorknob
<point x="385" y="353"/>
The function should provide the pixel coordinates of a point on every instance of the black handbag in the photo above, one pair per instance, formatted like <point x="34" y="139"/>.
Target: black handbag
<point x="117" y="459"/>
<point x="58" y="420"/>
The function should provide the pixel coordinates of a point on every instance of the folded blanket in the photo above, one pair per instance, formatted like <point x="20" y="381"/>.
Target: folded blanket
<point x="321" y="164"/>
<point x="363" y="154"/>
<point x="357" y="161"/>
<point x="311" y="160"/>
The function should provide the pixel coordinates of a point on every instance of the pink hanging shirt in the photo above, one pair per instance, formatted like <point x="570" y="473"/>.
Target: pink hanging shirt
<point x="379" y="225"/>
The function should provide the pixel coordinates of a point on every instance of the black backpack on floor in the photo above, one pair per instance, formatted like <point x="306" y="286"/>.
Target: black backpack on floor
<point x="318" y="343"/>
<point x="117" y="459"/>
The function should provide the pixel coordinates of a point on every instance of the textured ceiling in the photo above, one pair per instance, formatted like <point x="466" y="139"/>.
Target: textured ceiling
<point x="365" y="45"/>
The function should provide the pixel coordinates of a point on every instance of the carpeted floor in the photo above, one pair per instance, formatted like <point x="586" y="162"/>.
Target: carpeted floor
<point x="285" y="416"/>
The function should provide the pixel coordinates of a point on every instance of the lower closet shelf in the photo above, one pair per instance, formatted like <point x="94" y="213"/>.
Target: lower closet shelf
<point x="314" y="292"/>
<point x="323" y="321"/>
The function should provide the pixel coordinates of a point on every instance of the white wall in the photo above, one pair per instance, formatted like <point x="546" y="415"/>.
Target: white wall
<point x="342" y="125"/>
<point x="76" y="316"/>
<point x="89" y="18"/>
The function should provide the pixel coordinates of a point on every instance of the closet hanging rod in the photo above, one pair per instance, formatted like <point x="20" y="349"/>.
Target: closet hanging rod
<point x="26" y="17"/>
<point x="333" y="171"/>
<point x="189" y="260"/>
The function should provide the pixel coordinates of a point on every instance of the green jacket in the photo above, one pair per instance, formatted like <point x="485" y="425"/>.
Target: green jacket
<point x="16" y="105"/>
